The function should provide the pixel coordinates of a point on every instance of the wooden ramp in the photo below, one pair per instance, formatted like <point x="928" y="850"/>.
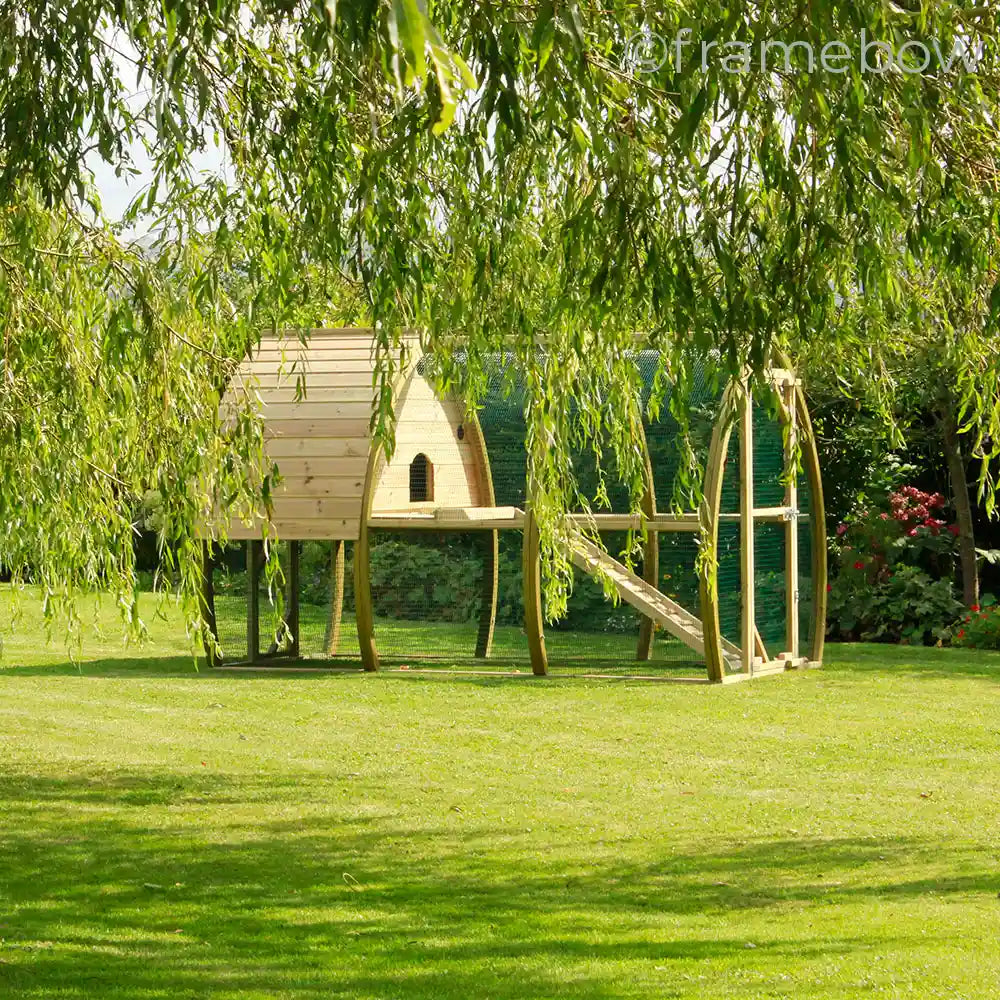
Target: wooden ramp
<point x="632" y="589"/>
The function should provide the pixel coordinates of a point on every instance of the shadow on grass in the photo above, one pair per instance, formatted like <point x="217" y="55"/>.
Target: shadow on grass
<point x="109" y="890"/>
<point x="412" y="669"/>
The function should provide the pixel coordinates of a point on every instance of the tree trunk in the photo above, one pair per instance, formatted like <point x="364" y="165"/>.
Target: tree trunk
<point x="963" y="506"/>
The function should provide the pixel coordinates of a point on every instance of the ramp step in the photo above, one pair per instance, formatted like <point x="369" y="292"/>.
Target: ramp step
<point x="678" y="621"/>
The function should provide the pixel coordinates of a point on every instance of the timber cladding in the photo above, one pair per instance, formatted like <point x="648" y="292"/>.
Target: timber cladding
<point x="316" y="401"/>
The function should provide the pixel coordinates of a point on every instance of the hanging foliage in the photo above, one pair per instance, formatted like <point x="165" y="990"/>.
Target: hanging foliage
<point x="505" y="176"/>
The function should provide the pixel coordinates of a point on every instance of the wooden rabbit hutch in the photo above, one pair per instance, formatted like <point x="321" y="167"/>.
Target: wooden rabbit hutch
<point x="443" y="549"/>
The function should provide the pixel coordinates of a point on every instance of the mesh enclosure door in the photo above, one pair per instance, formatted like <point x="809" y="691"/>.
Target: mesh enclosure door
<point x="805" y="575"/>
<point x="770" y="595"/>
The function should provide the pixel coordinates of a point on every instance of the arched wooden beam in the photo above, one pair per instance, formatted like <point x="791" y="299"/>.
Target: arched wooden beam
<point x="809" y="455"/>
<point x="650" y="550"/>
<point x="364" y="611"/>
<point x="490" y="542"/>
<point x="710" y="510"/>
<point x="817" y="522"/>
<point x="532" y="593"/>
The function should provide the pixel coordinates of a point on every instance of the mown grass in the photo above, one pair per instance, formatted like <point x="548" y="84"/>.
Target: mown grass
<point x="167" y="833"/>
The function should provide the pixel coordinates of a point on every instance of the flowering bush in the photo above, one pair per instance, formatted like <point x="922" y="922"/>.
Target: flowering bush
<point x="893" y="570"/>
<point x="980" y="628"/>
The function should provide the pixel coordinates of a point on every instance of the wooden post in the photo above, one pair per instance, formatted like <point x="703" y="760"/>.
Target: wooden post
<point x="491" y="583"/>
<point x="207" y="599"/>
<point x="747" y="623"/>
<point x="650" y="554"/>
<point x="709" y="517"/>
<point x="491" y="545"/>
<point x="817" y="526"/>
<point x="255" y="554"/>
<point x="532" y="592"/>
<point x="336" y="599"/>
<point x="792" y="526"/>
<point x="364" y="611"/>
<point x="292" y="618"/>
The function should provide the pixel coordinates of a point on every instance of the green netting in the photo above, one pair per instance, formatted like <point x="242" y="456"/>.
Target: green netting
<point x="768" y="459"/>
<point x="769" y="585"/>
<point x="231" y="604"/>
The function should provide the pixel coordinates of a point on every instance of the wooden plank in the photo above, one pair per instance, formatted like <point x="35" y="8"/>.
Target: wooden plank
<point x="285" y="402"/>
<point x="336" y="615"/>
<point x="310" y="528"/>
<point x="319" y="447"/>
<point x="284" y="378"/>
<point x="435" y="520"/>
<point x="747" y="583"/>
<point x="276" y="368"/>
<point x="316" y="404"/>
<point x="326" y="424"/>
<point x="791" y="528"/>
<point x="311" y="508"/>
<point x="331" y="455"/>
<point x="320" y="487"/>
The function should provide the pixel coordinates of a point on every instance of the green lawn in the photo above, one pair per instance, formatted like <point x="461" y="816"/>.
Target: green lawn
<point x="172" y="834"/>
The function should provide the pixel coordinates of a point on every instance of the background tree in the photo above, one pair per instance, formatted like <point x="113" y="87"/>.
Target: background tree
<point x="496" y="176"/>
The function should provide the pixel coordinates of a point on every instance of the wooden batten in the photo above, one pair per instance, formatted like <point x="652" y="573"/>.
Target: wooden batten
<point x="748" y="614"/>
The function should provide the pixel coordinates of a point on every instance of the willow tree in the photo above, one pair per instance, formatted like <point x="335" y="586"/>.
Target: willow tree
<point x="521" y="176"/>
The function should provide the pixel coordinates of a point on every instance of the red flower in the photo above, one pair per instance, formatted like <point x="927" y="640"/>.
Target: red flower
<point x="829" y="587"/>
<point x="859" y="565"/>
<point x="974" y="607"/>
<point x="954" y="529"/>
<point x="912" y="533"/>
<point x="961" y="633"/>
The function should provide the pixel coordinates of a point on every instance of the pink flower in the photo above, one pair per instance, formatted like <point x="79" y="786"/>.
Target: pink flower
<point x="912" y="533"/>
<point x="841" y="529"/>
<point x="884" y="516"/>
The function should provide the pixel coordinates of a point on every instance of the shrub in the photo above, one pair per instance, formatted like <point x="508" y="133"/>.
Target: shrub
<point x="893" y="572"/>
<point x="980" y="627"/>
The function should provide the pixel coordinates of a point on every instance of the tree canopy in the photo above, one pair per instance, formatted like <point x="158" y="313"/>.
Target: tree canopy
<point x="492" y="175"/>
